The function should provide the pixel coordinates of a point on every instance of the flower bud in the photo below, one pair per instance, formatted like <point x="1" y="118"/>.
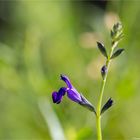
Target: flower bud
<point x="117" y="32"/>
<point x="117" y="27"/>
<point x="103" y="71"/>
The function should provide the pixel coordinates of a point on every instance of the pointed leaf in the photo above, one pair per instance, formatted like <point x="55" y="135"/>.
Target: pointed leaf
<point x="102" y="49"/>
<point x="107" y="105"/>
<point x="117" y="53"/>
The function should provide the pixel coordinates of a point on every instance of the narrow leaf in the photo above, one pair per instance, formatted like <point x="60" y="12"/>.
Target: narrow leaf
<point x="107" y="105"/>
<point x="117" y="53"/>
<point x="102" y="49"/>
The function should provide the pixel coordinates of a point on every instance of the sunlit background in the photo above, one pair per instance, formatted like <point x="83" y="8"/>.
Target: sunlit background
<point x="39" y="40"/>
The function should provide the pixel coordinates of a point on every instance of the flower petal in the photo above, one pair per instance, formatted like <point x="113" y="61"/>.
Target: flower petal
<point x="56" y="97"/>
<point x="74" y="95"/>
<point x="66" y="80"/>
<point x="62" y="91"/>
<point x="80" y="99"/>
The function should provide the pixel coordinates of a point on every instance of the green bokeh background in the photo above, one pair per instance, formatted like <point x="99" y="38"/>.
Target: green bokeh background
<point x="39" y="40"/>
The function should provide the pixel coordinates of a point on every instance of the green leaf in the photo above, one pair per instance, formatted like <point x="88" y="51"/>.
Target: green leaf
<point x="117" y="53"/>
<point x="102" y="49"/>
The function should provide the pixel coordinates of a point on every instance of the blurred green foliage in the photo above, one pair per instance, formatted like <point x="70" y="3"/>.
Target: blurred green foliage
<point x="39" y="40"/>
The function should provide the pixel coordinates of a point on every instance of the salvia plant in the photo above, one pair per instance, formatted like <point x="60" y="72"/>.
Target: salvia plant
<point x="72" y="93"/>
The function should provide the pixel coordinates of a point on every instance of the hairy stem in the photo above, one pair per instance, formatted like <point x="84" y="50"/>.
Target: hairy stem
<point x="98" y="116"/>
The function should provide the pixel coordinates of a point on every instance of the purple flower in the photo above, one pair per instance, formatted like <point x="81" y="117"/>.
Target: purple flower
<point x="72" y="94"/>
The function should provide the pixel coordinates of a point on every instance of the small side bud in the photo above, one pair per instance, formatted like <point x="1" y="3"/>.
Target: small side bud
<point x="103" y="71"/>
<point x="107" y="105"/>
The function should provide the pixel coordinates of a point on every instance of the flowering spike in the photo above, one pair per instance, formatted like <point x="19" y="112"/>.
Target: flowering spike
<point x="117" y="32"/>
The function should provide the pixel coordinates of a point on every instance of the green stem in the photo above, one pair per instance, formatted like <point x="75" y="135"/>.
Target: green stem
<point x="98" y="116"/>
<point x="99" y="131"/>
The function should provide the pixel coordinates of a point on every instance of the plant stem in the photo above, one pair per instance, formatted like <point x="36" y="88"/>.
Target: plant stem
<point x="98" y="116"/>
